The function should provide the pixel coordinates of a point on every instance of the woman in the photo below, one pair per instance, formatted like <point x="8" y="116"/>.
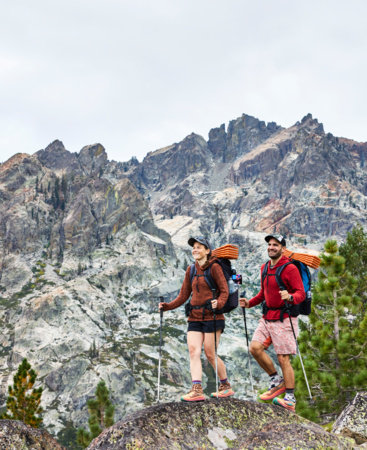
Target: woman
<point x="201" y="319"/>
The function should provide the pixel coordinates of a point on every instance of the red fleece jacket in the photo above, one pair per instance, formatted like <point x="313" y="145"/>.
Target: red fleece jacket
<point x="270" y="290"/>
<point x="201" y="292"/>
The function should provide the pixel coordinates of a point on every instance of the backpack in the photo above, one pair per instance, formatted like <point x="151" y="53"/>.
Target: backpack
<point x="229" y="273"/>
<point x="303" y="308"/>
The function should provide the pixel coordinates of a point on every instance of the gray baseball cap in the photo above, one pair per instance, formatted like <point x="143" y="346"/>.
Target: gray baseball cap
<point x="201" y="240"/>
<point x="277" y="237"/>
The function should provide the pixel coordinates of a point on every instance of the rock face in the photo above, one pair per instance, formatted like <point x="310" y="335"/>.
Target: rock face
<point x="15" y="435"/>
<point x="88" y="246"/>
<point x="229" y="423"/>
<point x="352" y="422"/>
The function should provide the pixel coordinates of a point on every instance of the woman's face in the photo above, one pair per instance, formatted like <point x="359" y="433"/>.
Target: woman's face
<point x="200" y="252"/>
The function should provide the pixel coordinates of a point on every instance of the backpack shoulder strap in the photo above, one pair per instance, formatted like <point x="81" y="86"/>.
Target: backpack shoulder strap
<point x="278" y="273"/>
<point x="192" y="272"/>
<point x="207" y="276"/>
<point x="209" y="279"/>
<point x="264" y="273"/>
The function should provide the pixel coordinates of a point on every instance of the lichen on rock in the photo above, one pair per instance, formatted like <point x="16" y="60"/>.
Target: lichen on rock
<point x="15" y="435"/>
<point x="352" y="421"/>
<point x="228" y="423"/>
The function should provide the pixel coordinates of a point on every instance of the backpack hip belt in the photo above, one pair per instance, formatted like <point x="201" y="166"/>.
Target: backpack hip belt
<point x="189" y="307"/>
<point x="283" y="309"/>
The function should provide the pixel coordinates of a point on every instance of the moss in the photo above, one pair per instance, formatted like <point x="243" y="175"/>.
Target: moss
<point x="230" y="443"/>
<point x="198" y="422"/>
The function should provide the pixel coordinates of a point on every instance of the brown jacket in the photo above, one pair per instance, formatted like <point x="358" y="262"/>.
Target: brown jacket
<point x="201" y="292"/>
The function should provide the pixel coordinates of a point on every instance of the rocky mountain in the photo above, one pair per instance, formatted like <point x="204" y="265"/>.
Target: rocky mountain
<point x="89" y="245"/>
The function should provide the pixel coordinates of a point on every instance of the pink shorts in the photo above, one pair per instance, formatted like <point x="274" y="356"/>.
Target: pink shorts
<point x="280" y="334"/>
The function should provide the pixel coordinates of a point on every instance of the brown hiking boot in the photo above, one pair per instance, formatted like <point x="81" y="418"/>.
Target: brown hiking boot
<point x="195" y="395"/>
<point x="224" y="390"/>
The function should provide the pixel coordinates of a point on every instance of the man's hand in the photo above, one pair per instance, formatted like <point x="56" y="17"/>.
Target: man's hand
<point x="244" y="303"/>
<point x="285" y="296"/>
<point x="214" y="304"/>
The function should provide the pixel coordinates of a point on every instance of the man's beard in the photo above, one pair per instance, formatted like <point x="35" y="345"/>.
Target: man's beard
<point x="275" y="255"/>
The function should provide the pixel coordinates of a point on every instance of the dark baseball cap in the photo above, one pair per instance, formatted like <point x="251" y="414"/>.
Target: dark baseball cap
<point x="201" y="240"/>
<point x="277" y="237"/>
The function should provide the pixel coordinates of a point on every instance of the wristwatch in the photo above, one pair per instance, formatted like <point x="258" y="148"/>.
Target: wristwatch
<point x="290" y="299"/>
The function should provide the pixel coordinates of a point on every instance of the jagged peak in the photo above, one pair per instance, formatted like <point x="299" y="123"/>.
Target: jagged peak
<point x="193" y="137"/>
<point x="93" y="150"/>
<point x="253" y="122"/>
<point x="310" y="123"/>
<point x="189" y="139"/>
<point x="55" y="146"/>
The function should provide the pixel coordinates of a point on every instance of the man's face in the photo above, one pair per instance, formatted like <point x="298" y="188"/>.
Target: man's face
<point x="275" y="249"/>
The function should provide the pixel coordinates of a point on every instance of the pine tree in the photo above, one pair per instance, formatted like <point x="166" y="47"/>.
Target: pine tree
<point x="23" y="403"/>
<point x="101" y="412"/>
<point x="332" y="343"/>
<point x="354" y="250"/>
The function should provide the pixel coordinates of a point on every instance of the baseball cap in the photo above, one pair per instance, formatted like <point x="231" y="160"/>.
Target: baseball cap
<point x="278" y="237"/>
<point x="201" y="240"/>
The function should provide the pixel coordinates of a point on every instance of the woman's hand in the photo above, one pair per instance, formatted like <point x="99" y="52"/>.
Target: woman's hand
<point x="244" y="303"/>
<point x="160" y="306"/>
<point x="214" y="304"/>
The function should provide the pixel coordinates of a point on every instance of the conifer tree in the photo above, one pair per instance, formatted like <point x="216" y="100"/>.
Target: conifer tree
<point x="332" y="343"/>
<point x="354" y="250"/>
<point x="101" y="412"/>
<point x="23" y="402"/>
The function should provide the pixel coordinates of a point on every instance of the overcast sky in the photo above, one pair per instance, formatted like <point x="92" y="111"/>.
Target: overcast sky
<point x="137" y="75"/>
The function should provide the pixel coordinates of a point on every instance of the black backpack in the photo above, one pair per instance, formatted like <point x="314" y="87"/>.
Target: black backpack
<point x="304" y="307"/>
<point x="228" y="271"/>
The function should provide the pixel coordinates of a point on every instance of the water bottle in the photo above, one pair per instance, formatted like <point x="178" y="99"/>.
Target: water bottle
<point x="232" y="286"/>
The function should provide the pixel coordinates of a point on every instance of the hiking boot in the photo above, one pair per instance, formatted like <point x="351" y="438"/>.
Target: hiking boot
<point x="195" y="395"/>
<point x="224" y="390"/>
<point x="285" y="403"/>
<point x="273" y="391"/>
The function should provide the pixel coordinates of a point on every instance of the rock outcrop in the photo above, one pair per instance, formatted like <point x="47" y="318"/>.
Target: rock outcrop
<point x="352" y="422"/>
<point x="229" y="423"/>
<point x="15" y="435"/>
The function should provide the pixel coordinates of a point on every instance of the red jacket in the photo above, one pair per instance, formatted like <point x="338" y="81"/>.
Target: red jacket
<point x="201" y="292"/>
<point x="270" y="290"/>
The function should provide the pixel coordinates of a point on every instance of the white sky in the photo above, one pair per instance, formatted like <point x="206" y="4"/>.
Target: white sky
<point x="137" y="75"/>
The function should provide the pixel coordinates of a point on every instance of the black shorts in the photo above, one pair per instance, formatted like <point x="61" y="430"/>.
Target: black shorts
<point x="206" y="326"/>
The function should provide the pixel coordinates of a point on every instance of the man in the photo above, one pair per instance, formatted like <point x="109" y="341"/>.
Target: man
<point x="274" y="326"/>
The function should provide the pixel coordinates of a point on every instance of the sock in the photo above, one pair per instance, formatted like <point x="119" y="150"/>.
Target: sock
<point x="224" y="381"/>
<point x="289" y="395"/>
<point x="275" y="379"/>
<point x="272" y="375"/>
<point x="196" y="381"/>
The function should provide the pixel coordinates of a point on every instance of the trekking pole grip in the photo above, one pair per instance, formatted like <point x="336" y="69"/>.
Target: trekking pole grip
<point x="213" y="292"/>
<point x="243" y="295"/>
<point x="161" y="310"/>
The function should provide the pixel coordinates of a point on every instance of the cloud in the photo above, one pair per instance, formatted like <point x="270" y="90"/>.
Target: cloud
<point x="139" y="75"/>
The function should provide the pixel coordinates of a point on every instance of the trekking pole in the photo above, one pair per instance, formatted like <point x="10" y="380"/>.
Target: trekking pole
<point x="300" y="356"/>
<point x="215" y="347"/>
<point x="160" y="349"/>
<point x="248" y="348"/>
